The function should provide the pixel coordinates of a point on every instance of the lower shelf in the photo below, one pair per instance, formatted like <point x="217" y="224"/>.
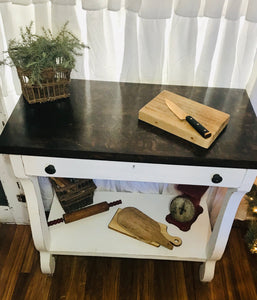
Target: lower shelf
<point x="92" y="237"/>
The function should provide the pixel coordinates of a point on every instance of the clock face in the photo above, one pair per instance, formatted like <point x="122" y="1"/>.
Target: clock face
<point x="182" y="209"/>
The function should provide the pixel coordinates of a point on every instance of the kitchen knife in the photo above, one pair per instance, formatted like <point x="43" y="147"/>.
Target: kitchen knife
<point x="182" y="115"/>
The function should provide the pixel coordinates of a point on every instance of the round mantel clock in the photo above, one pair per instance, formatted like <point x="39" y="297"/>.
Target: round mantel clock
<point x="184" y="210"/>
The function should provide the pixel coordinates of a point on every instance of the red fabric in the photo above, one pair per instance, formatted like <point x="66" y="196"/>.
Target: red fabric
<point x="192" y="191"/>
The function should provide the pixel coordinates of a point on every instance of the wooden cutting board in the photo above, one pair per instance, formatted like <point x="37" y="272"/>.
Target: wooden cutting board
<point x="116" y="226"/>
<point x="157" y="113"/>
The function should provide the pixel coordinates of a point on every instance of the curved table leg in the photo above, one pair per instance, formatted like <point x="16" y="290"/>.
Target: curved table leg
<point x="47" y="262"/>
<point x="220" y="234"/>
<point x="207" y="270"/>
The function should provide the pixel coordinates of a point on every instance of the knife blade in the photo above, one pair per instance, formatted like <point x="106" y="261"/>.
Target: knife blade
<point x="182" y="115"/>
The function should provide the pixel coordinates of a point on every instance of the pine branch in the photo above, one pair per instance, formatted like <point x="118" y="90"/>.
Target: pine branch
<point x="34" y="53"/>
<point x="251" y="237"/>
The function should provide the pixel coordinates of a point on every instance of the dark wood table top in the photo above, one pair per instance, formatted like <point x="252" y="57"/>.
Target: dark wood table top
<point x="100" y="121"/>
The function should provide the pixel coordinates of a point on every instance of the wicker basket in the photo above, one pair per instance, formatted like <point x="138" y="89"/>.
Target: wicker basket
<point x="73" y="194"/>
<point x="55" y="85"/>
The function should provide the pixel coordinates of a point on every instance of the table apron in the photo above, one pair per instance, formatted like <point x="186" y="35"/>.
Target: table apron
<point x="130" y="171"/>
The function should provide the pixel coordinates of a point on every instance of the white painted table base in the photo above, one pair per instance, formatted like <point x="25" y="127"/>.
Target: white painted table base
<point x="49" y="241"/>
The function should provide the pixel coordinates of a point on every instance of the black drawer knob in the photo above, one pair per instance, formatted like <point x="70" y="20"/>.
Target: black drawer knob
<point x="216" y="178"/>
<point x="50" y="169"/>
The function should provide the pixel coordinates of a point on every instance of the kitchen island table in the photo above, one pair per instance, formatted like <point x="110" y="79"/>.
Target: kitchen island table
<point x="96" y="134"/>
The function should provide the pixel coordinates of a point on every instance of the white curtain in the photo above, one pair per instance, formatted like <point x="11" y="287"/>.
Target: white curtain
<point x="197" y="42"/>
<point x="200" y="43"/>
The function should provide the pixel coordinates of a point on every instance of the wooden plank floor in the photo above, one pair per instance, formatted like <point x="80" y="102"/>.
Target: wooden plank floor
<point x="121" y="279"/>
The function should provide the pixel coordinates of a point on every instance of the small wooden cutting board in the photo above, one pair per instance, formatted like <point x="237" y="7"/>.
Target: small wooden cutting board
<point x="157" y="113"/>
<point x="115" y="226"/>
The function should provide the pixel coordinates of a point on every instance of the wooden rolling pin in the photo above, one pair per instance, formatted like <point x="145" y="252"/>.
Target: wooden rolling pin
<point x="144" y="228"/>
<point x="85" y="212"/>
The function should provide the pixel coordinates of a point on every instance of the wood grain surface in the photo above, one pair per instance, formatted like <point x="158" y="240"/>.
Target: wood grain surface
<point x="153" y="240"/>
<point x="157" y="113"/>
<point x="102" y="123"/>
<point x="96" y="278"/>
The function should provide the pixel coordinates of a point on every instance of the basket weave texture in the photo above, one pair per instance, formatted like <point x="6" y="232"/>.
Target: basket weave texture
<point x="75" y="194"/>
<point x="55" y="85"/>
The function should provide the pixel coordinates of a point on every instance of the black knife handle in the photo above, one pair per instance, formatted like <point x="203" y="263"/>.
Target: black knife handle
<point x="198" y="127"/>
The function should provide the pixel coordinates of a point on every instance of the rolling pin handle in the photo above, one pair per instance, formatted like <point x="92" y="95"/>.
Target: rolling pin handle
<point x="117" y="202"/>
<point x="54" y="222"/>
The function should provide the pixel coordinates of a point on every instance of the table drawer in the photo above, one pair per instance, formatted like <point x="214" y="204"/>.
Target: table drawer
<point x="99" y="169"/>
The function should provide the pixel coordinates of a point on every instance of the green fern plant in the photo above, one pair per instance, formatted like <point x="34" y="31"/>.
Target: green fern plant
<point x="35" y="53"/>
